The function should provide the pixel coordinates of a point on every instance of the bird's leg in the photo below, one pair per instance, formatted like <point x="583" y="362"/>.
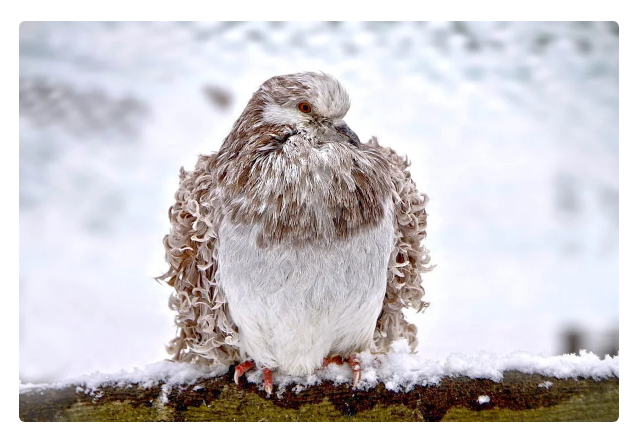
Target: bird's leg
<point x="268" y="380"/>
<point x="245" y="366"/>
<point x="353" y="362"/>
<point x="242" y="368"/>
<point x="355" y="366"/>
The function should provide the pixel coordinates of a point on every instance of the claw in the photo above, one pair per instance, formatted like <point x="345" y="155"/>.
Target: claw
<point x="355" y="366"/>
<point x="242" y="368"/>
<point x="267" y="380"/>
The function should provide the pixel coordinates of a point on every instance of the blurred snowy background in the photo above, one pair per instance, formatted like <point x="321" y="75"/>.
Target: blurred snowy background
<point x="512" y="130"/>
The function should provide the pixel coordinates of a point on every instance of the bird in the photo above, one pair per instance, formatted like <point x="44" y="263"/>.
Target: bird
<point x="295" y="245"/>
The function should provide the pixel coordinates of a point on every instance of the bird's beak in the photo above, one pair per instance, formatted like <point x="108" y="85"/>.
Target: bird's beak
<point x="346" y="134"/>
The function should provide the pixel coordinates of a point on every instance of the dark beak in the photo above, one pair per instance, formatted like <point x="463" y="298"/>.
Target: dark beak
<point x="348" y="135"/>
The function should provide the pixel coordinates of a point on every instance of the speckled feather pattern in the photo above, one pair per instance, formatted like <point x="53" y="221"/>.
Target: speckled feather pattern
<point x="299" y="186"/>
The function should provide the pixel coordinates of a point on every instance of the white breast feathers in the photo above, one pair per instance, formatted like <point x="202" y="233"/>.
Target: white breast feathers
<point x="295" y="305"/>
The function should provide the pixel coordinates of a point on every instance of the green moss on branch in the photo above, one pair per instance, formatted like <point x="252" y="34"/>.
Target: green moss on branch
<point x="519" y="397"/>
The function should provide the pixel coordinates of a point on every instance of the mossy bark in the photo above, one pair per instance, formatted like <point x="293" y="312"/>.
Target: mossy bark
<point x="518" y="397"/>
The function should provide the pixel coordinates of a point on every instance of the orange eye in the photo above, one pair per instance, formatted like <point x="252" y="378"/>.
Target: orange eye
<point x="304" y="107"/>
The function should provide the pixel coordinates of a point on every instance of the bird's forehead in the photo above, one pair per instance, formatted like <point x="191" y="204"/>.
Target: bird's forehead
<point x="322" y="91"/>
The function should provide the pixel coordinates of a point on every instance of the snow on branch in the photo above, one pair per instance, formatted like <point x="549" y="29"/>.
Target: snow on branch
<point x="397" y="386"/>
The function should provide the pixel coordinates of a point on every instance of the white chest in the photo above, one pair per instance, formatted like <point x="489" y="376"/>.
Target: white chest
<point x="295" y="305"/>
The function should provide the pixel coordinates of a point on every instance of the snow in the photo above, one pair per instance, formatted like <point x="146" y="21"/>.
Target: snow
<point x="168" y="374"/>
<point x="516" y="143"/>
<point x="398" y="371"/>
<point x="483" y="399"/>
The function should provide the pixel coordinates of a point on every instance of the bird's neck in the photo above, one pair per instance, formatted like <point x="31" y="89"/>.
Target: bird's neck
<point x="302" y="195"/>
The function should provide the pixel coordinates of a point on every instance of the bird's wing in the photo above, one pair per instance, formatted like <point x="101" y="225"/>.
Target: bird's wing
<point x="408" y="260"/>
<point x="206" y="333"/>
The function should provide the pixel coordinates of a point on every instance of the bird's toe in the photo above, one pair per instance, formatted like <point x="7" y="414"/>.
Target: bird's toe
<point x="355" y="366"/>
<point x="268" y="380"/>
<point x="242" y="368"/>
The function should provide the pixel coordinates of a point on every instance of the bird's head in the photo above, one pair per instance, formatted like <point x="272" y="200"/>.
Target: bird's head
<point x="313" y="102"/>
<point x="309" y="103"/>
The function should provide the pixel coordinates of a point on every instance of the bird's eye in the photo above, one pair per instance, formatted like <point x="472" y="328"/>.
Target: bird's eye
<point x="304" y="107"/>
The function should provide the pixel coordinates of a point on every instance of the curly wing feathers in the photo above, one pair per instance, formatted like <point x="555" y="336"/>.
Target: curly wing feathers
<point x="206" y="333"/>
<point x="408" y="260"/>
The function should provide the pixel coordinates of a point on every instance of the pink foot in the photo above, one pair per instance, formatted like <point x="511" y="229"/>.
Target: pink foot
<point x="353" y="361"/>
<point x="332" y="360"/>
<point x="355" y="365"/>
<point x="242" y="368"/>
<point x="245" y="366"/>
<point x="268" y="380"/>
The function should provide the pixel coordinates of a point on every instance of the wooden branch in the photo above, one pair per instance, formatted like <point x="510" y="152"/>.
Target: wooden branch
<point x="518" y="397"/>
